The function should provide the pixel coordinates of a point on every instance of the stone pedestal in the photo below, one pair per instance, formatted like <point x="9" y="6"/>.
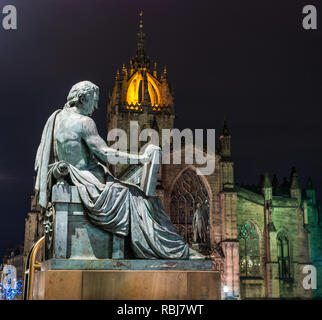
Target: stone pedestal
<point x="85" y="263"/>
<point x="127" y="285"/>
<point x="109" y="279"/>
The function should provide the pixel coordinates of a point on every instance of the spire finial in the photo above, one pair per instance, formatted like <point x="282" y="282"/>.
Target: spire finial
<point x="293" y="171"/>
<point x="294" y="179"/>
<point x="140" y="58"/>
<point x="155" y="72"/>
<point x="225" y="130"/>
<point x="267" y="182"/>
<point x="141" y="20"/>
<point x="124" y="71"/>
<point x="309" y="184"/>
<point x="140" y="33"/>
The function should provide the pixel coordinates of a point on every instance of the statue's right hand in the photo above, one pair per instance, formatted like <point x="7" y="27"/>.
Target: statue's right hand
<point x="148" y="153"/>
<point x="150" y="149"/>
<point x="145" y="158"/>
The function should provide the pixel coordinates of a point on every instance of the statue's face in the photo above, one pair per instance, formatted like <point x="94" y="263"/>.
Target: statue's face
<point x="89" y="103"/>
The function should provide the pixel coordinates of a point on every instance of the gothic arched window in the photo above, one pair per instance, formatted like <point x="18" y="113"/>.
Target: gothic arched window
<point x="249" y="251"/>
<point x="283" y="253"/>
<point x="186" y="193"/>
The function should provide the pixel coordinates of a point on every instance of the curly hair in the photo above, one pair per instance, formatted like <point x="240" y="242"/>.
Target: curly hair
<point x="79" y="90"/>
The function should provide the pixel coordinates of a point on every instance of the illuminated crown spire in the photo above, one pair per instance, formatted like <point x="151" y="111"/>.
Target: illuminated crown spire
<point x="140" y="90"/>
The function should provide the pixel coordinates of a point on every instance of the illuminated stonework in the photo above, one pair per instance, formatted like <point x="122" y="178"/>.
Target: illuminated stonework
<point x="140" y="93"/>
<point x="135" y="89"/>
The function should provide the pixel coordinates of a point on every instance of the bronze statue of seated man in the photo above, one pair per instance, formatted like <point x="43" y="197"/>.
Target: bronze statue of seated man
<point x="71" y="136"/>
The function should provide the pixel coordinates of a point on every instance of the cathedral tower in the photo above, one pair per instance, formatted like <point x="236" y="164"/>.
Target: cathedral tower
<point x="140" y="94"/>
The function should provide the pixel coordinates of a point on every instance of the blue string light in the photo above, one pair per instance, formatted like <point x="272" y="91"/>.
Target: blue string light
<point x="10" y="292"/>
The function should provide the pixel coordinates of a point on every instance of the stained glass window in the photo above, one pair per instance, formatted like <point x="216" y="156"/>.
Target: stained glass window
<point x="249" y="251"/>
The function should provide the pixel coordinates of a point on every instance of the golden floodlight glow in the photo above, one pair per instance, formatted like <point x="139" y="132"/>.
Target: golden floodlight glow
<point x="137" y="82"/>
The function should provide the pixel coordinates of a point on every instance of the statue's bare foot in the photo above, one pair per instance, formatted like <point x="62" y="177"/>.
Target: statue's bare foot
<point x="193" y="254"/>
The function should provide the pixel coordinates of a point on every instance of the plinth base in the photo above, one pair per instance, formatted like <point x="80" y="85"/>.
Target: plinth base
<point x="127" y="285"/>
<point x="133" y="264"/>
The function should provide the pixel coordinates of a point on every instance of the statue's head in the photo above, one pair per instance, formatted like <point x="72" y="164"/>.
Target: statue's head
<point x="84" y="96"/>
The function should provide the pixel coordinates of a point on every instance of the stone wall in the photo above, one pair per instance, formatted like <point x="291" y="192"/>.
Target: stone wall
<point x="287" y="217"/>
<point x="312" y="213"/>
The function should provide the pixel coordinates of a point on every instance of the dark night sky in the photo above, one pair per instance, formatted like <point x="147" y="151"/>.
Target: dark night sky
<point x="248" y="60"/>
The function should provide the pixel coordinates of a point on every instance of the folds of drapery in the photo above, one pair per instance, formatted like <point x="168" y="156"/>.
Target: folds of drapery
<point x="124" y="209"/>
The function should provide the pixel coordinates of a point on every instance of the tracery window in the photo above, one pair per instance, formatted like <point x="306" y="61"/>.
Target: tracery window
<point x="249" y="251"/>
<point x="283" y="252"/>
<point x="187" y="192"/>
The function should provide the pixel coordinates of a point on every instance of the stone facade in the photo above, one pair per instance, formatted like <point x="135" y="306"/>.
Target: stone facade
<point x="260" y="237"/>
<point x="277" y="218"/>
